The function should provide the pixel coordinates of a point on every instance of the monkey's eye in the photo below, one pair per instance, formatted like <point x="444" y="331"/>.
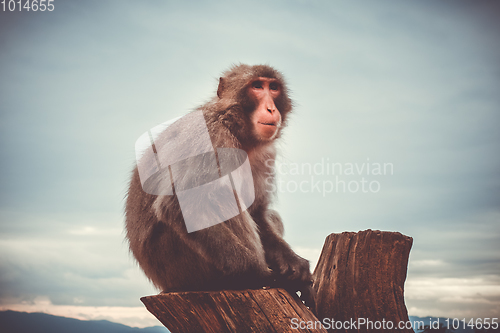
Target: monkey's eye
<point x="257" y="84"/>
<point x="273" y="86"/>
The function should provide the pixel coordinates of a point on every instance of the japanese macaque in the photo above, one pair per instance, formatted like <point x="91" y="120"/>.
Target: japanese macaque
<point x="249" y="113"/>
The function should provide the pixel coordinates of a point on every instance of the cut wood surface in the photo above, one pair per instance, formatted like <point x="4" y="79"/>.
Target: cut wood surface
<point x="362" y="275"/>
<point x="238" y="311"/>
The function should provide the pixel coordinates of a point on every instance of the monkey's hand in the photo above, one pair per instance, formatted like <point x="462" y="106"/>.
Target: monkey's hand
<point x="289" y="266"/>
<point x="292" y="273"/>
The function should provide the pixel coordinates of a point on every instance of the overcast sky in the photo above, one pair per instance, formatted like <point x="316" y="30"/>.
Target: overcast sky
<point x="412" y="84"/>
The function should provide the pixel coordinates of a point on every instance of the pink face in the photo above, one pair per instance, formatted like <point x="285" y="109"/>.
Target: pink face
<point x="266" y="118"/>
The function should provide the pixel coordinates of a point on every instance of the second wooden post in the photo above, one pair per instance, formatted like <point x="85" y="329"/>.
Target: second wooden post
<point x="360" y="278"/>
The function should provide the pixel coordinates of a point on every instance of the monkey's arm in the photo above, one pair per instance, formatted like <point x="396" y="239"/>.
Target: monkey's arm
<point x="291" y="271"/>
<point x="279" y="255"/>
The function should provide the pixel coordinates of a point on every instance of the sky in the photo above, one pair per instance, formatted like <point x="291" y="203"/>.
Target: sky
<point x="412" y="85"/>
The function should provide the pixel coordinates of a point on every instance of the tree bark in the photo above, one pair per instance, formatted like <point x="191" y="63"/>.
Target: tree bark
<point x="238" y="311"/>
<point x="361" y="276"/>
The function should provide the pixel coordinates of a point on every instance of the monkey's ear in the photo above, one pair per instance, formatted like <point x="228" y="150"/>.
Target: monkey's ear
<point x="220" y="89"/>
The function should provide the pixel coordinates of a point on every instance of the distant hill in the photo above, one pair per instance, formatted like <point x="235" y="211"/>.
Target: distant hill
<point x="22" y="322"/>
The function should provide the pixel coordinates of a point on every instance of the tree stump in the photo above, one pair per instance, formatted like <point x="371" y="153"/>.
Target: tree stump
<point x="238" y="311"/>
<point x="361" y="276"/>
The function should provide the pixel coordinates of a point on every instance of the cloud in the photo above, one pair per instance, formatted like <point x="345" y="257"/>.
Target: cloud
<point x="75" y="261"/>
<point x="477" y="297"/>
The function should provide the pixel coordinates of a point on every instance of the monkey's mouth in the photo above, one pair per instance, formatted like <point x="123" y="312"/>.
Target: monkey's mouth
<point x="267" y="130"/>
<point x="267" y="124"/>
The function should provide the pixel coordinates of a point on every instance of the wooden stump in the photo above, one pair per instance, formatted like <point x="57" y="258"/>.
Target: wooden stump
<point x="362" y="275"/>
<point x="238" y="311"/>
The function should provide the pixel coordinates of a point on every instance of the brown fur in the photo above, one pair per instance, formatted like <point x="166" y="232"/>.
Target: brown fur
<point x="247" y="251"/>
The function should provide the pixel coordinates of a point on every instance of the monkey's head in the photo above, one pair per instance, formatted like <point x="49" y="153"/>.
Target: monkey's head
<point x="255" y="101"/>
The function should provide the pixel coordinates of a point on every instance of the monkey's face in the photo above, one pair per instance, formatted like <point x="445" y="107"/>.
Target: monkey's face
<point x="266" y="118"/>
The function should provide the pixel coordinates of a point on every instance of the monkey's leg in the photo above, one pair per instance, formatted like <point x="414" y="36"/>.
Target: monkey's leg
<point x="234" y="251"/>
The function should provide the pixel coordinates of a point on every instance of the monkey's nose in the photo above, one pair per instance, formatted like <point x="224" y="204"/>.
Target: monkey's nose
<point x="271" y="108"/>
